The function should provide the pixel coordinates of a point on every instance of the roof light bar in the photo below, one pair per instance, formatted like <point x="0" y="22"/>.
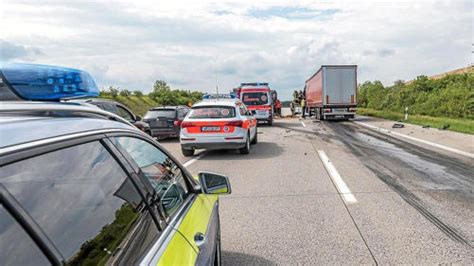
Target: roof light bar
<point x="47" y="83"/>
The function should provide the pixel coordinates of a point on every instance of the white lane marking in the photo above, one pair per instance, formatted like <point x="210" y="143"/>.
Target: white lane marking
<point x="439" y="146"/>
<point x="193" y="160"/>
<point x="302" y="123"/>
<point x="337" y="179"/>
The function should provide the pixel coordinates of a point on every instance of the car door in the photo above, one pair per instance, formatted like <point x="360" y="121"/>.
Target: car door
<point x="188" y="214"/>
<point x="88" y="207"/>
<point x="252" y="122"/>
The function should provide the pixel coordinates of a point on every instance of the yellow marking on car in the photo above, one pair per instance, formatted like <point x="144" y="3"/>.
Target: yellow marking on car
<point x="178" y="252"/>
<point x="198" y="217"/>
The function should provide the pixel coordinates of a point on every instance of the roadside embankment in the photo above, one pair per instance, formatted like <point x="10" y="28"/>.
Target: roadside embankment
<point x="452" y="124"/>
<point x="440" y="138"/>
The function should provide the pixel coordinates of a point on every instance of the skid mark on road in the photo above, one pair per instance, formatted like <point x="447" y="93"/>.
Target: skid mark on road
<point x="415" y="202"/>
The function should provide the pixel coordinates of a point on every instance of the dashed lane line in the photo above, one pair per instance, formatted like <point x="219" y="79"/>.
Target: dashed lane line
<point x="337" y="179"/>
<point x="193" y="160"/>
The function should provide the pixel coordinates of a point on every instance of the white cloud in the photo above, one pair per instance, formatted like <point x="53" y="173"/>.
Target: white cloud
<point x="131" y="44"/>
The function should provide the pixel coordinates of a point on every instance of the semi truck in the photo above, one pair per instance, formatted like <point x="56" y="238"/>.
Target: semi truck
<point x="330" y="93"/>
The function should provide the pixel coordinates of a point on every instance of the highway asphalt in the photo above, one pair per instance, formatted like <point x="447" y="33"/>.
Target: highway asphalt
<point x="374" y="200"/>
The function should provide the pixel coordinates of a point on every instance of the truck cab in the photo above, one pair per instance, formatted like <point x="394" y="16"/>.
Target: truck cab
<point x="258" y="99"/>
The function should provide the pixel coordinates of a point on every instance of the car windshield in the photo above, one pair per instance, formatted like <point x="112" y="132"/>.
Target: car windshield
<point x="255" y="98"/>
<point x="212" y="112"/>
<point x="169" y="113"/>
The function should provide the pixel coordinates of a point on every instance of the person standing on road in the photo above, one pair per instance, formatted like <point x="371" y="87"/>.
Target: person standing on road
<point x="278" y="107"/>
<point x="303" y="108"/>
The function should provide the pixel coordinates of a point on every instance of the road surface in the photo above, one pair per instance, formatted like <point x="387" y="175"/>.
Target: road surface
<point x="338" y="193"/>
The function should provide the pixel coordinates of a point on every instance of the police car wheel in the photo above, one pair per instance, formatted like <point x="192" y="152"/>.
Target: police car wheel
<point x="187" y="153"/>
<point x="246" y="148"/>
<point x="255" y="140"/>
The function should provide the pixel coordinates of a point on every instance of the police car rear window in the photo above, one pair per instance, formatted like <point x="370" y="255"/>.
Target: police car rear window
<point x="212" y="112"/>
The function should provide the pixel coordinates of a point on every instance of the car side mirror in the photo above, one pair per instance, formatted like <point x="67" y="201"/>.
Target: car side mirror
<point x="138" y="118"/>
<point x="253" y="112"/>
<point x="213" y="183"/>
<point x="249" y="113"/>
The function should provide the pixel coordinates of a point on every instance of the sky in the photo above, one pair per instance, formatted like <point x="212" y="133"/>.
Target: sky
<point x="190" y="45"/>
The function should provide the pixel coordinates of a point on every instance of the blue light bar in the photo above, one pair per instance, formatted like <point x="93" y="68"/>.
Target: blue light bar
<point x="48" y="83"/>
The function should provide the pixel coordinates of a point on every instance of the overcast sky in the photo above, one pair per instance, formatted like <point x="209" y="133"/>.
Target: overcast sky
<point x="132" y="44"/>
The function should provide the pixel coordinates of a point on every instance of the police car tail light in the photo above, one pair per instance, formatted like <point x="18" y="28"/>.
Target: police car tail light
<point x="187" y="124"/>
<point x="327" y="110"/>
<point x="47" y="83"/>
<point x="237" y="123"/>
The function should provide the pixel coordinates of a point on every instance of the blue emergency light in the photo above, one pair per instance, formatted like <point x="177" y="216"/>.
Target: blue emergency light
<point x="47" y="83"/>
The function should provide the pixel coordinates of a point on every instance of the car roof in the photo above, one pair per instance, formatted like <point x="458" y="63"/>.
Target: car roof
<point x="218" y="102"/>
<point x="168" y="107"/>
<point x="23" y="122"/>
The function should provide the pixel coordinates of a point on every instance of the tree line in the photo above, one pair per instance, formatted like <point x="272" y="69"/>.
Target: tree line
<point x="449" y="96"/>
<point x="162" y="93"/>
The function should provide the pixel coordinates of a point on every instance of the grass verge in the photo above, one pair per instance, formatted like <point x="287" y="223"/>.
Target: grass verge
<point x="138" y="105"/>
<point x="455" y="124"/>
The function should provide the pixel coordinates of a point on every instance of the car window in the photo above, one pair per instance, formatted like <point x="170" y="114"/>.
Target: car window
<point x="242" y="109"/>
<point x="124" y="113"/>
<point x="159" y="170"/>
<point x="84" y="202"/>
<point x="212" y="112"/>
<point x="110" y="107"/>
<point x="255" y="98"/>
<point x="182" y="113"/>
<point x="168" y="113"/>
<point x="16" y="246"/>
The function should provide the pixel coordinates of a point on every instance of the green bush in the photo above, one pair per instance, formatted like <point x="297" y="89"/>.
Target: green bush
<point x="450" y="96"/>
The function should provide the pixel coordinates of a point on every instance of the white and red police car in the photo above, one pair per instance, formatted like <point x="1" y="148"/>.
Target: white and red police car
<point x="218" y="124"/>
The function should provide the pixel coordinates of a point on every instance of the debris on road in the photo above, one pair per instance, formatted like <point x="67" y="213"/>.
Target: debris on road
<point x="397" y="125"/>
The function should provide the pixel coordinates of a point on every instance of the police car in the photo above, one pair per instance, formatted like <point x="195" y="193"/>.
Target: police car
<point x="80" y="185"/>
<point x="218" y="123"/>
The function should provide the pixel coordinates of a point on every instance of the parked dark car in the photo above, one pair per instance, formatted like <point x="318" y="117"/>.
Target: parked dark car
<point x="120" y="110"/>
<point x="165" y="121"/>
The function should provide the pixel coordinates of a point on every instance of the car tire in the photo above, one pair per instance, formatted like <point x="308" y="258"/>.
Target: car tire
<point x="187" y="153"/>
<point x="255" y="139"/>
<point x="218" y="256"/>
<point x="246" y="149"/>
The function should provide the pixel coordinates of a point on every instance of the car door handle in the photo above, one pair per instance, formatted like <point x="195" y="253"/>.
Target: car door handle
<point x="199" y="239"/>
